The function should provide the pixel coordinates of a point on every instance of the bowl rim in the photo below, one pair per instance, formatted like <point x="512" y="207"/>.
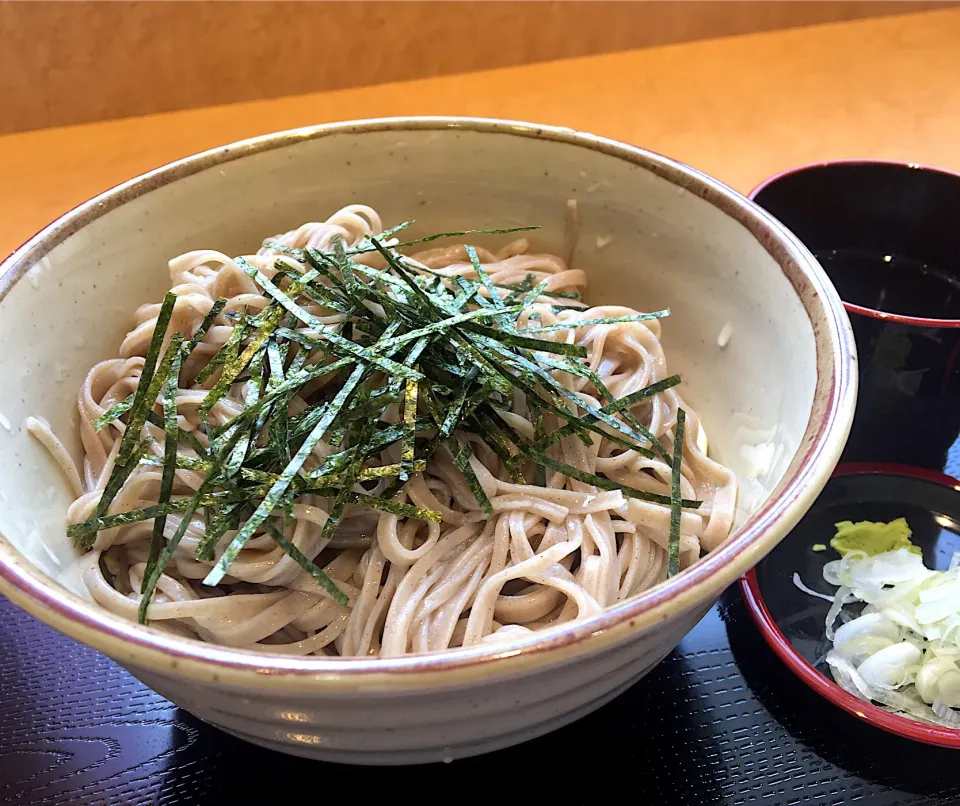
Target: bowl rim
<point x="824" y="436"/>
<point x="828" y="689"/>
<point x="862" y="310"/>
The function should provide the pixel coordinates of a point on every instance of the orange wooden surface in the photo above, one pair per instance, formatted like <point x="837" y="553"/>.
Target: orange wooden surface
<point x="203" y="52"/>
<point x="739" y="108"/>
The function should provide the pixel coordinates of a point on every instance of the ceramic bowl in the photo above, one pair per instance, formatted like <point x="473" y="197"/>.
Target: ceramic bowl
<point x="777" y="402"/>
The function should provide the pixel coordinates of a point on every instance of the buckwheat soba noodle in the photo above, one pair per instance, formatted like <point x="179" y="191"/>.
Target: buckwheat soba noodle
<point x="349" y="445"/>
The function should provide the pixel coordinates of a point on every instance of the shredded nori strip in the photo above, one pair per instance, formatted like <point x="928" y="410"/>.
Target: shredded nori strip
<point x="148" y="389"/>
<point x="609" y="484"/>
<point x="462" y="461"/>
<point x="673" y="555"/>
<point x="307" y="564"/>
<point x="608" y="320"/>
<point x="170" y="440"/>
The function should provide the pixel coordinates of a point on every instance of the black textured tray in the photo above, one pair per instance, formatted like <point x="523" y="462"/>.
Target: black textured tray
<point x="720" y="721"/>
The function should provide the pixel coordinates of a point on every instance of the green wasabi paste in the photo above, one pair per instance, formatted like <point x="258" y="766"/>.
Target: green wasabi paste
<point x="873" y="538"/>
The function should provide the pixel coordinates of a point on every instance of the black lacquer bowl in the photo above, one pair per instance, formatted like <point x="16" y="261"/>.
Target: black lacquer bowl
<point x="793" y="622"/>
<point x="888" y="236"/>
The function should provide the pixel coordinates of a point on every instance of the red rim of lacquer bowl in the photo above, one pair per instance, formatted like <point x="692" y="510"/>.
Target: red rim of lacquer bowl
<point x="915" y="321"/>
<point x="820" y="683"/>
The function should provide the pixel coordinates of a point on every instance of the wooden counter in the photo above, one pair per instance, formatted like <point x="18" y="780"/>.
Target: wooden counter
<point x="739" y="108"/>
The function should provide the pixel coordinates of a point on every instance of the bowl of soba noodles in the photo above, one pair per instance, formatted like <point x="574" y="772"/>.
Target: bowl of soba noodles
<point x="402" y="440"/>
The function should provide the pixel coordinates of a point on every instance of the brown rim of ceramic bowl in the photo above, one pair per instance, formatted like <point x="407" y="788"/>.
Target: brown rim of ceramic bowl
<point x="826" y="432"/>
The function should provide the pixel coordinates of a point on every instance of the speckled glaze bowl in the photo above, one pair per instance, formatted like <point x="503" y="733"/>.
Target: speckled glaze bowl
<point x="777" y="402"/>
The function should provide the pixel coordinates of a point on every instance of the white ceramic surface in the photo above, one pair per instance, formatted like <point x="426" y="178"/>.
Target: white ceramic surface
<point x="777" y="402"/>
